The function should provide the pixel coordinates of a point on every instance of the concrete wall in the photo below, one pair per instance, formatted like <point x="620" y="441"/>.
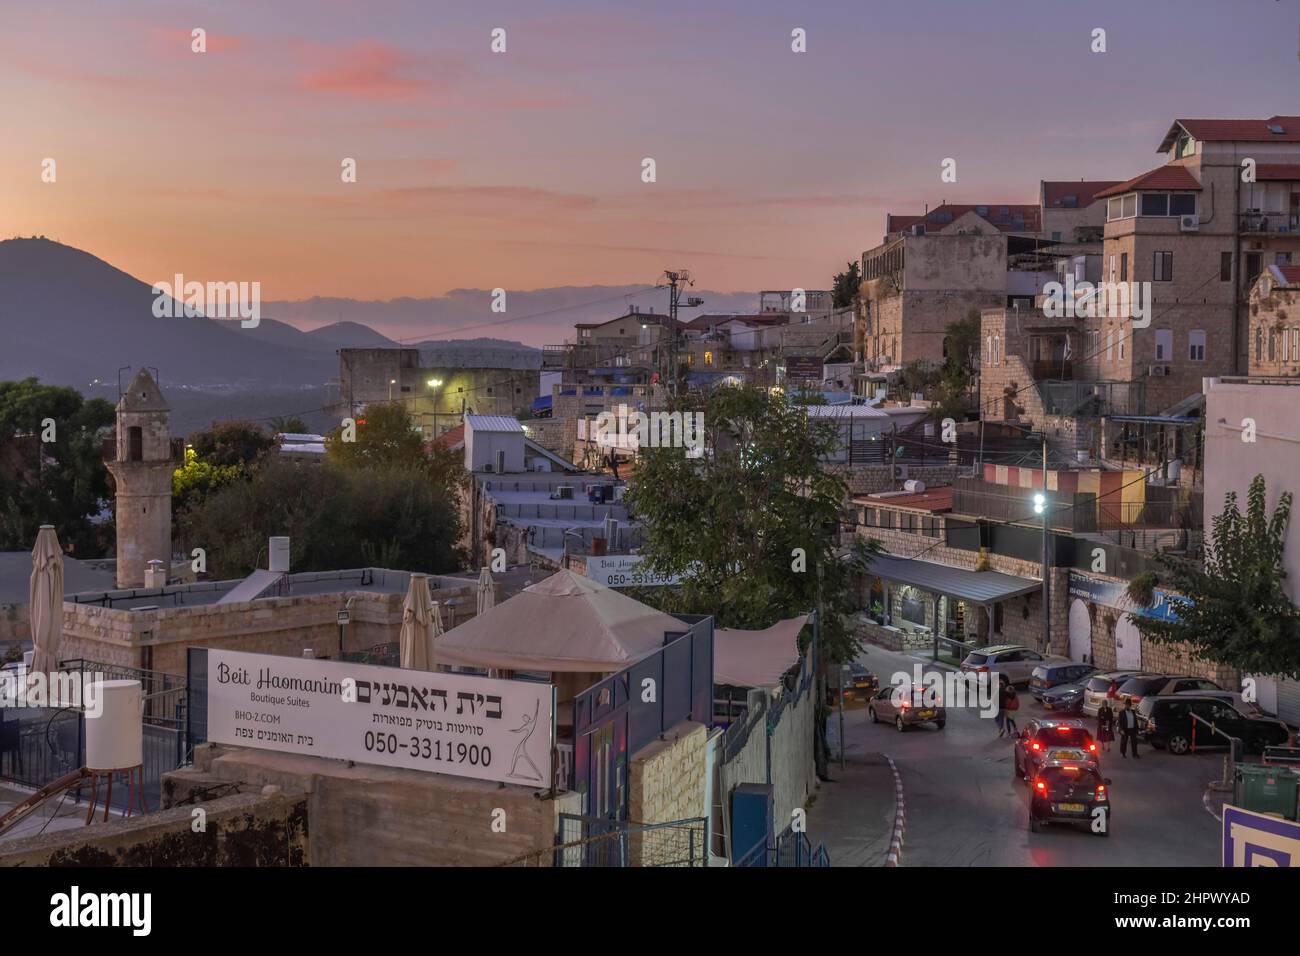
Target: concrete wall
<point x="245" y="829"/>
<point x="364" y="815"/>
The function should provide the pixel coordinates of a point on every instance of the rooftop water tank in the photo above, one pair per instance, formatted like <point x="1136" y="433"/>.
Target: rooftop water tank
<point x="115" y="739"/>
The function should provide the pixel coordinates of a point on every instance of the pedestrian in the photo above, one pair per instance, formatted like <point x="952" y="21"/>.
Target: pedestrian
<point x="1012" y="705"/>
<point x="1105" y="725"/>
<point x="1128" y="729"/>
<point x="1002" y="705"/>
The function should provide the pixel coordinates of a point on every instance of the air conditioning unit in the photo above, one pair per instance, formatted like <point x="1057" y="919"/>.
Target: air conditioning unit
<point x="1160" y="371"/>
<point x="1190" y="223"/>
<point x="900" y="472"/>
<point x="487" y="467"/>
<point x="564" y="492"/>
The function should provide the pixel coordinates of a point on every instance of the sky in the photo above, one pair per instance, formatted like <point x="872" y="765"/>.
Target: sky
<point x="523" y="169"/>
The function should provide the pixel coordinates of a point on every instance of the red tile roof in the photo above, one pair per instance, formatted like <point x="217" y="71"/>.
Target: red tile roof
<point x="1291" y="274"/>
<point x="932" y="499"/>
<point x="1084" y="191"/>
<point x="1029" y="214"/>
<point x="1275" y="171"/>
<point x="712" y="321"/>
<point x="1235" y="130"/>
<point x="1162" y="177"/>
<point x="450" y="439"/>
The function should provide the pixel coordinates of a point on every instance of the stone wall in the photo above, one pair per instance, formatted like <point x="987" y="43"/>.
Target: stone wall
<point x="666" y="778"/>
<point x="244" y="829"/>
<point x="869" y="479"/>
<point x="1156" y="658"/>
<point x="15" y="626"/>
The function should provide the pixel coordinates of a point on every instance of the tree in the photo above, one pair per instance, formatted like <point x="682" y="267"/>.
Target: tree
<point x="336" y="517"/>
<point x="231" y="443"/>
<point x="63" y="481"/>
<point x="961" y="346"/>
<point x="752" y="524"/>
<point x="197" y="479"/>
<point x="1234" y="610"/>
<point x="385" y="437"/>
<point x="288" y="425"/>
<point x="845" y="286"/>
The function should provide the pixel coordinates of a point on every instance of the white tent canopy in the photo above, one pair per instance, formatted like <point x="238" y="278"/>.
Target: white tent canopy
<point x="566" y="623"/>
<point x="756" y="658"/>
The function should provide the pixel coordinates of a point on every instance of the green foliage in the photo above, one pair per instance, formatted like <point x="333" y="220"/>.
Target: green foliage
<point x="962" y="345"/>
<point x="197" y="479"/>
<point x="64" y="482"/>
<point x="1234" y="610"/>
<point x="288" y="425"/>
<point x="385" y="437"/>
<point x="338" y="517"/>
<point x="232" y="443"/>
<point x="753" y="521"/>
<point x="844" y="289"/>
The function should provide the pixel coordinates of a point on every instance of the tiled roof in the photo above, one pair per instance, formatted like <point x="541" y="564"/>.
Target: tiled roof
<point x="1235" y="130"/>
<point x="450" y="439"/>
<point x="1084" y="191"/>
<point x="1162" y="177"/>
<point x="1020" y="217"/>
<point x="712" y="321"/>
<point x="1291" y="274"/>
<point x="932" y="499"/>
<point x="1276" y="171"/>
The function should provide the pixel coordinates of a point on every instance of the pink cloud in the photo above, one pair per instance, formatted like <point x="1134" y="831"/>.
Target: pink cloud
<point x="374" y="70"/>
<point x="179" y="41"/>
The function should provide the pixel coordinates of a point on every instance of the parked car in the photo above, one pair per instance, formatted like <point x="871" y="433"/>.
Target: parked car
<point x="1142" y="685"/>
<point x="1186" y="685"/>
<point x="906" y="707"/>
<point x="1066" y="791"/>
<point x="1064" y="699"/>
<point x="1247" y="707"/>
<point x="859" y="682"/>
<point x="1052" y="674"/>
<point x="1052" y="738"/>
<point x="1015" y="661"/>
<point x="1166" y="722"/>
<point x="1099" y="687"/>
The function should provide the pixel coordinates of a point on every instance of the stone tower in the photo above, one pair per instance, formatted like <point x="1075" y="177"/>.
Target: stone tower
<point x="142" y="468"/>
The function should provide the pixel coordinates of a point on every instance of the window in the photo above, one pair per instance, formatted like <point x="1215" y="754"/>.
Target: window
<point x="1113" y="209"/>
<point x="1056" y="237"/>
<point x="1112" y="268"/>
<point x="1259" y="344"/>
<point x="1272" y="345"/>
<point x="1295" y="344"/>
<point x="1155" y="204"/>
<point x="708" y="358"/>
<point x="1164" y="344"/>
<point x="1120" y="346"/>
<point x="1162" y="269"/>
<point x="1130" y="205"/>
<point x="1110" y="344"/>
<point x="1123" y="267"/>
<point x="1225" y="266"/>
<point x="489" y="389"/>
<point x="1196" y="345"/>
<point x="1254" y="263"/>
<point x="1282" y="259"/>
<point x="135" y="443"/>
<point x="1182" y="204"/>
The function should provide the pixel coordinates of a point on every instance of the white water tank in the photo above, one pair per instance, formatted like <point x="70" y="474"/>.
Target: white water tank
<point x="278" y="559"/>
<point x="115" y="739"/>
<point x="914" y="487"/>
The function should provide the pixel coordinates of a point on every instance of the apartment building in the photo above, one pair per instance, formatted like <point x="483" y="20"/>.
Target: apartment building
<point x="1274" y="337"/>
<point x="1200" y="229"/>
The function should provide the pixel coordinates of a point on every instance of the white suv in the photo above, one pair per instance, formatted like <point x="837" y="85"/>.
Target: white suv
<point x="1015" y="661"/>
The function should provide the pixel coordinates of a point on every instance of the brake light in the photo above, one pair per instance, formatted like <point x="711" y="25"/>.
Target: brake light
<point x="1092" y="747"/>
<point x="1036" y="745"/>
<point x="1040" y="786"/>
<point x="1071" y="769"/>
<point x="1101" y="790"/>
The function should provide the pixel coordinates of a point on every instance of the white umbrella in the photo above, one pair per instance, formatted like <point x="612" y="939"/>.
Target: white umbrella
<point x="46" y="609"/>
<point x="415" y="639"/>
<point x="487" y="597"/>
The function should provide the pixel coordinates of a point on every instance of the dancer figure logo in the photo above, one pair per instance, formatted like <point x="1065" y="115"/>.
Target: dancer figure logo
<point x="521" y="749"/>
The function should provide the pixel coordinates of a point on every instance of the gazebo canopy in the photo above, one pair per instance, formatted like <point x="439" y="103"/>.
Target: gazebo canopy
<point x="756" y="658"/>
<point x="566" y="623"/>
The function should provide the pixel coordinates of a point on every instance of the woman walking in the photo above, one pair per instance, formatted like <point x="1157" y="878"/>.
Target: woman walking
<point x="1105" y="725"/>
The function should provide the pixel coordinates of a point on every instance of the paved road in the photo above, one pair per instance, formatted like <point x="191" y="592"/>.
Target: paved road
<point x="964" y="808"/>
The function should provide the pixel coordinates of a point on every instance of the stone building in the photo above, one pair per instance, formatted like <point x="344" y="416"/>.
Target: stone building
<point x="1274" y="339"/>
<point x="141" y="460"/>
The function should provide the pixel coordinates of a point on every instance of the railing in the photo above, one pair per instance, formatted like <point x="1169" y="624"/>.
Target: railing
<point x="1092" y="399"/>
<point x="583" y="841"/>
<point x="790" y="849"/>
<point x="1280" y="222"/>
<point x="1229" y="759"/>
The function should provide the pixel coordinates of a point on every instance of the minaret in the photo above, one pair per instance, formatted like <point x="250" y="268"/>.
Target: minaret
<point x="142" y="469"/>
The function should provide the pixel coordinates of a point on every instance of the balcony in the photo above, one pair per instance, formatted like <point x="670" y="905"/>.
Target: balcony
<point x="1278" y="223"/>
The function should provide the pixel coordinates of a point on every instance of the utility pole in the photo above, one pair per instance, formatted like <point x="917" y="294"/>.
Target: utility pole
<point x="1040" y="505"/>
<point x="676" y="279"/>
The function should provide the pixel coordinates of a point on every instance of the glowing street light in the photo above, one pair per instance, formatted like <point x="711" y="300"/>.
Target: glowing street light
<point x="1040" y="504"/>
<point x="435" y="382"/>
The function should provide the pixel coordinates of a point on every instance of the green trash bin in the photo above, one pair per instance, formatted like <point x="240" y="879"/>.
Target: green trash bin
<point x="1267" y="789"/>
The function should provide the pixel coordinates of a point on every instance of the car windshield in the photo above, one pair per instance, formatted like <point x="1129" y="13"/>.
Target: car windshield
<point x="1099" y="684"/>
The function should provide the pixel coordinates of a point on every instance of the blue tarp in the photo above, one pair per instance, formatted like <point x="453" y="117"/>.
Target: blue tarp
<point x="542" y="403"/>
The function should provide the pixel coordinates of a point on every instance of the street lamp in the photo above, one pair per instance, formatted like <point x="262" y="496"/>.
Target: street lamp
<point x="1040" y="508"/>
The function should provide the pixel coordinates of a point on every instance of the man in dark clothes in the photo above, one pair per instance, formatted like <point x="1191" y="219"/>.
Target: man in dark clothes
<point x="1128" y="729"/>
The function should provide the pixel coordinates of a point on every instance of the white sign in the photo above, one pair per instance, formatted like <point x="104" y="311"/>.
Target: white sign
<point x="455" y="724"/>
<point x="624" y="571"/>
<point x="1254" y="839"/>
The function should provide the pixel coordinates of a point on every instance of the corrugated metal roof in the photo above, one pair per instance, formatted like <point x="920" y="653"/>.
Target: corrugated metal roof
<point x="979" y="587"/>
<point x="845" y="411"/>
<point x="493" y="423"/>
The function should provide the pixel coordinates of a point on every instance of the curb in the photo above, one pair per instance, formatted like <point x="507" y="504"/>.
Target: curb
<point x="895" y="855"/>
<point x="1207" y="803"/>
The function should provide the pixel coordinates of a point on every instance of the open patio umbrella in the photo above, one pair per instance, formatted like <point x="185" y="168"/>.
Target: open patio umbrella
<point x="487" y="597"/>
<point x="416" y="639"/>
<point x="46" y="608"/>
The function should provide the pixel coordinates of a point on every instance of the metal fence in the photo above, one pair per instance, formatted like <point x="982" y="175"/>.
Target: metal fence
<point x="583" y="841"/>
<point x="789" y="849"/>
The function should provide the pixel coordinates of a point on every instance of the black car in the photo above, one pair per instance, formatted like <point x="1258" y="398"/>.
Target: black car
<point x="1065" y="699"/>
<point x="1055" y="673"/>
<point x="1070" y="791"/>
<point x="1166" y="722"/>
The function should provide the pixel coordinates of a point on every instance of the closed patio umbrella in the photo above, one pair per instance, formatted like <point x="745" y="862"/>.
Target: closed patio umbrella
<point x="435" y="631"/>
<point x="415" y="640"/>
<point x="487" y="597"/>
<point x="46" y="608"/>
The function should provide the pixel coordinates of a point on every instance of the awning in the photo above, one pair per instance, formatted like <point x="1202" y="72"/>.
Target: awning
<point x="978" y="587"/>
<point x="756" y="658"/>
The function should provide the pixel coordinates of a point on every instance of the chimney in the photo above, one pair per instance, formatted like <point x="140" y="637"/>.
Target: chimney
<point x="155" y="576"/>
